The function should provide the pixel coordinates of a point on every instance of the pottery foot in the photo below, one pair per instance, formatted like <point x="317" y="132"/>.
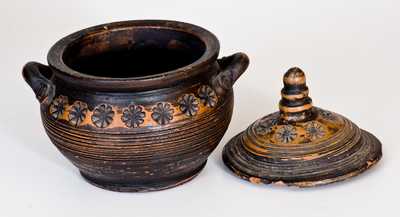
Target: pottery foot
<point x="143" y="187"/>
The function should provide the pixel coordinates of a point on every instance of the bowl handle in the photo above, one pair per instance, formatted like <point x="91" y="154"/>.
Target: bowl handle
<point x="232" y="67"/>
<point x="38" y="77"/>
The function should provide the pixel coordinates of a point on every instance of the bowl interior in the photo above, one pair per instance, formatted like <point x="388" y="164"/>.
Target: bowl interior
<point x="133" y="52"/>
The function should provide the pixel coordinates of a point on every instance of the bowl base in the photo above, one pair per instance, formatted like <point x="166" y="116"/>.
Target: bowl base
<point x="134" y="187"/>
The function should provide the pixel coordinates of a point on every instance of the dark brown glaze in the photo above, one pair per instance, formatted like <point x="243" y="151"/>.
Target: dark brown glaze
<point x="131" y="122"/>
<point x="301" y="145"/>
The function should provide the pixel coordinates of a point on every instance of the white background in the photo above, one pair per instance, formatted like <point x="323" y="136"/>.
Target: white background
<point x="348" y="49"/>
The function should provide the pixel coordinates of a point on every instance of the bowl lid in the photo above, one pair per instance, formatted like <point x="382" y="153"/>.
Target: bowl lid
<point x="301" y="145"/>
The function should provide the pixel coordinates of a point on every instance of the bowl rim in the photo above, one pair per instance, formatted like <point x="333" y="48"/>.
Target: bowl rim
<point x="65" y="72"/>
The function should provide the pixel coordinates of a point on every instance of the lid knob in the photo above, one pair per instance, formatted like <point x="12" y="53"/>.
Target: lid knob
<point x="295" y="104"/>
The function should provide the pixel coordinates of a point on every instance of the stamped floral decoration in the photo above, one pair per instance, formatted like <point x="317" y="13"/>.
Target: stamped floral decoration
<point x="286" y="134"/>
<point x="327" y="115"/>
<point x="162" y="113"/>
<point x="102" y="116"/>
<point x="314" y="130"/>
<point x="57" y="107"/>
<point x="208" y="96"/>
<point x="77" y="113"/>
<point x="133" y="116"/>
<point x="265" y="126"/>
<point x="188" y="104"/>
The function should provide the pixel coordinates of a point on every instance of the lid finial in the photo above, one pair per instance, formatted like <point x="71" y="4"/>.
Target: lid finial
<point x="295" y="105"/>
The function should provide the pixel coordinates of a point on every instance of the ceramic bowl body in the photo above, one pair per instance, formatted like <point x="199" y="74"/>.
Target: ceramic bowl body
<point x="136" y="105"/>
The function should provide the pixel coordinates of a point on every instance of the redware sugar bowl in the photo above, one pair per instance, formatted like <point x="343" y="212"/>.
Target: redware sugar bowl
<point x="301" y="145"/>
<point x="136" y="105"/>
